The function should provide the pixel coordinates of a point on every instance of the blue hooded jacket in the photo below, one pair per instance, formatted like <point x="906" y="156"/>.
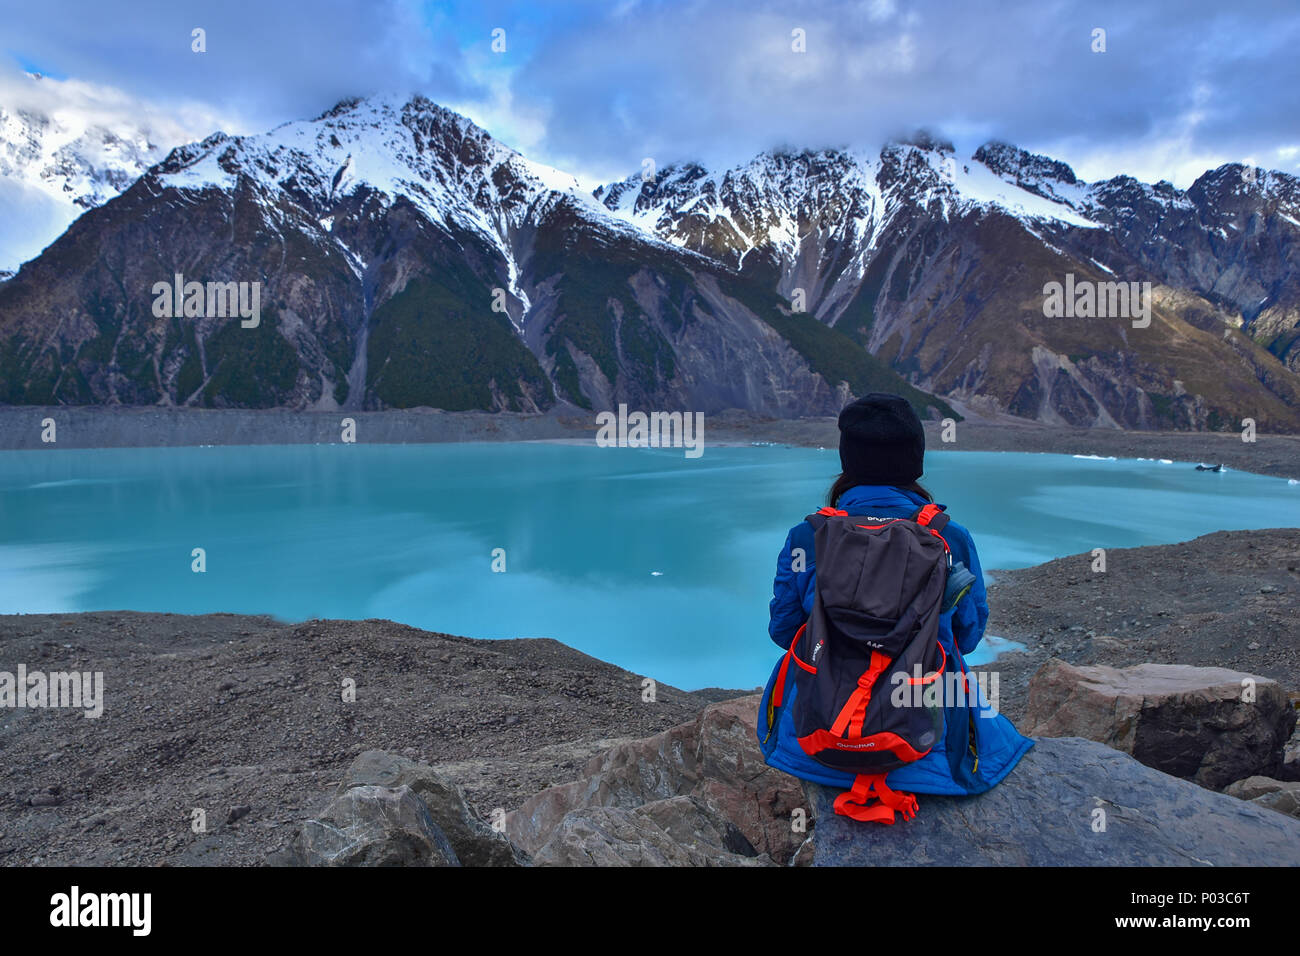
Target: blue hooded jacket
<point x="979" y="746"/>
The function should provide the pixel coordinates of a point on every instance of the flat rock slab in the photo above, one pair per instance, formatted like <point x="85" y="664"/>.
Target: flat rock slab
<point x="1044" y="814"/>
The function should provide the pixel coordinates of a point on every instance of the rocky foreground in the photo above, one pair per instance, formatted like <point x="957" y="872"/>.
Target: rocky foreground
<point x="229" y="740"/>
<point x="244" y="719"/>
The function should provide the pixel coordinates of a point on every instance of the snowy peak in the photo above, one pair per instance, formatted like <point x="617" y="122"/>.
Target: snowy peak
<point x="1237" y="185"/>
<point x="64" y="157"/>
<point x="411" y="147"/>
<point x="779" y="199"/>
<point x="772" y="202"/>
<point x="643" y="200"/>
<point x="382" y="150"/>
<point x="311" y="156"/>
<point x="1034" y="173"/>
<point x="66" y="147"/>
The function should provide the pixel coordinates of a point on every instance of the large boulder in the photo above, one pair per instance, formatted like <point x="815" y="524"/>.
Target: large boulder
<point x="715" y="761"/>
<point x="679" y="831"/>
<point x="1191" y="722"/>
<point x="475" y="842"/>
<point x="1068" y="802"/>
<point x="371" y="826"/>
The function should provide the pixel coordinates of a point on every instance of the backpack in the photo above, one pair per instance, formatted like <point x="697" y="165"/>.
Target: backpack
<point x="871" y="639"/>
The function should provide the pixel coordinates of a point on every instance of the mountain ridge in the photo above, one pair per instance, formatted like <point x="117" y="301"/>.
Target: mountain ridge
<point x="403" y="249"/>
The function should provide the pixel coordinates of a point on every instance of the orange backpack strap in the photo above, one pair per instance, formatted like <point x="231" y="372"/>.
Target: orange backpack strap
<point x="778" y="689"/>
<point x="818" y="517"/>
<point x="932" y="517"/>
<point x="856" y="804"/>
<point x="855" y="708"/>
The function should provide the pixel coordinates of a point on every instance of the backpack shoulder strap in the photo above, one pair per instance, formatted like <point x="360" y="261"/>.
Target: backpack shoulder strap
<point x="818" y="517"/>
<point x="805" y="535"/>
<point x="932" y="516"/>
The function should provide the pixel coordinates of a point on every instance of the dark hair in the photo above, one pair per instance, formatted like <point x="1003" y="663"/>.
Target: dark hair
<point x="843" y="483"/>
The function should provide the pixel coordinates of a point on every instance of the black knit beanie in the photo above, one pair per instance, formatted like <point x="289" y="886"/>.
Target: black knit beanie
<point x="881" y="441"/>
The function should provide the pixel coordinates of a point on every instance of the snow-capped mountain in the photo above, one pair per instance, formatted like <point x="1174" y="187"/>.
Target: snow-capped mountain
<point x="449" y="170"/>
<point x="895" y="248"/>
<point x="83" y="165"/>
<point x="57" y="163"/>
<point x="405" y="257"/>
<point x="780" y="205"/>
<point x="818" y="218"/>
<point x="773" y="201"/>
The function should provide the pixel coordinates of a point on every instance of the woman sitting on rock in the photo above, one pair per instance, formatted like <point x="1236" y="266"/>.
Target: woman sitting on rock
<point x="873" y="694"/>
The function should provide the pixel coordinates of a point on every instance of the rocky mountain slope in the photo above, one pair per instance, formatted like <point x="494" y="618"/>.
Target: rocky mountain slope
<point x="406" y="258"/>
<point x="938" y="264"/>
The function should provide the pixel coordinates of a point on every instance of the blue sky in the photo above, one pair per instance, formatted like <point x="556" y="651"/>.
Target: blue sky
<point x="595" y="87"/>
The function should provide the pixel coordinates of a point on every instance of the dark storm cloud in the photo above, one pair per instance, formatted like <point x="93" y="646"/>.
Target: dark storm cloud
<point x="269" y="61"/>
<point x="596" y="87"/>
<point x="668" y="79"/>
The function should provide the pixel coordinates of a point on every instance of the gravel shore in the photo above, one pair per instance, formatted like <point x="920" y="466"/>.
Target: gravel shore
<point x="119" y="427"/>
<point x="244" y="718"/>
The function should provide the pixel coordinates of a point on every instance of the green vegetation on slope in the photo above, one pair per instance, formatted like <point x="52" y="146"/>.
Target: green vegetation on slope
<point x="595" y="289"/>
<point x="437" y="344"/>
<point x="834" y="355"/>
<point x="599" y="315"/>
<point x="251" y="368"/>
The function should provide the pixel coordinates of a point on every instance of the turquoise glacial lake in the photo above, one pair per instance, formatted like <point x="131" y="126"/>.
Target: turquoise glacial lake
<point x="642" y="557"/>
